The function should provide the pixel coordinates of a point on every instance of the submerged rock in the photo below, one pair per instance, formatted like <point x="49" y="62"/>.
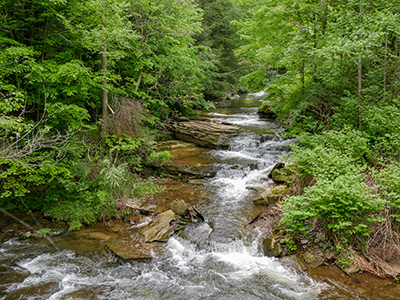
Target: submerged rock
<point x="43" y="291"/>
<point x="132" y="248"/>
<point x="180" y="170"/>
<point x="9" y="276"/>
<point x="205" y="134"/>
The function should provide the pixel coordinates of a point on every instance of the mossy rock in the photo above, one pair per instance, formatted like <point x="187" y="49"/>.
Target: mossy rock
<point x="272" y="246"/>
<point x="265" y="111"/>
<point x="281" y="173"/>
<point x="272" y="196"/>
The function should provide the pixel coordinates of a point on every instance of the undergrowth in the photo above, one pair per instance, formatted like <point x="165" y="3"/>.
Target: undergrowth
<point x="351" y="192"/>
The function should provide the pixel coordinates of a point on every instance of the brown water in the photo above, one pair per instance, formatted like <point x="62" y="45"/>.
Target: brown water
<point x="217" y="259"/>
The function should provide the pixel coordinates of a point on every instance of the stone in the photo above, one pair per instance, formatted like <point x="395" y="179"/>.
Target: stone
<point x="43" y="291"/>
<point x="320" y="236"/>
<point x="27" y="235"/>
<point x="312" y="260"/>
<point x="265" y="111"/>
<point x="304" y="241"/>
<point x="272" y="246"/>
<point x="160" y="228"/>
<point x="281" y="174"/>
<point x="205" y="134"/>
<point x="181" y="170"/>
<point x="179" y="207"/>
<point x="295" y="262"/>
<point x="271" y="196"/>
<point x="101" y="292"/>
<point x="198" y="181"/>
<point x="329" y="254"/>
<point x="130" y="248"/>
<point x="349" y="269"/>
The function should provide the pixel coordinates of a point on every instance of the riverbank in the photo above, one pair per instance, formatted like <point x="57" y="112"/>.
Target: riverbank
<point x="91" y="242"/>
<point x="220" y="258"/>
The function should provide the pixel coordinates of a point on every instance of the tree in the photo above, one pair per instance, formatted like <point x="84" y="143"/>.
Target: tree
<point x="220" y="35"/>
<point x="103" y="28"/>
<point x="163" y="71"/>
<point x="325" y="61"/>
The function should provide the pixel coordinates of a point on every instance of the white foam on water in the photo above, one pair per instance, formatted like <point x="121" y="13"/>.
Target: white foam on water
<point x="237" y="262"/>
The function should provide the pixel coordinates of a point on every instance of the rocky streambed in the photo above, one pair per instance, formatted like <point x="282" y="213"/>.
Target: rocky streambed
<point x="212" y="233"/>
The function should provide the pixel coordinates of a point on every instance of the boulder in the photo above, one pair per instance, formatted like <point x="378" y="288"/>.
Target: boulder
<point x="160" y="228"/>
<point x="313" y="260"/>
<point x="179" y="207"/>
<point x="279" y="165"/>
<point x="345" y="262"/>
<point x="205" y="134"/>
<point x="349" y="269"/>
<point x="265" y="111"/>
<point x="281" y="173"/>
<point x="271" y="196"/>
<point x="272" y="246"/>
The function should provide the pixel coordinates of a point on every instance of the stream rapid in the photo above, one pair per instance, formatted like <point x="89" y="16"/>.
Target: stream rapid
<point x="218" y="259"/>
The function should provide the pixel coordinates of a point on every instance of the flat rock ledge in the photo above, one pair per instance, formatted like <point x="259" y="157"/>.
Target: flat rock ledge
<point x="205" y="133"/>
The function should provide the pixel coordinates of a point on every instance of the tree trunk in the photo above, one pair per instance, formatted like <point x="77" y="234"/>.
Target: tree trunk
<point x="360" y="70"/>
<point x="385" y="66"/>
<point x="104" y="97"/>
<point x="392" y="88"/>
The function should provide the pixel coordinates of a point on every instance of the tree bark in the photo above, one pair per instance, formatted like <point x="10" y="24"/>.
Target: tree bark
<point x="392" y="88"/>
<point x="104" y="97"/>
<point x="360" y="69"/>
<point x="385" y="65"/>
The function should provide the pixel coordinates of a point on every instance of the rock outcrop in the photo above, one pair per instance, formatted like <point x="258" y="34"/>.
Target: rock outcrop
<point x="205" y="134"/>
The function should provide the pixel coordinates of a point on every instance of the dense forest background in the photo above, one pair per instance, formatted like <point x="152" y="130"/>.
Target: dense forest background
<point x="87" y="87"/>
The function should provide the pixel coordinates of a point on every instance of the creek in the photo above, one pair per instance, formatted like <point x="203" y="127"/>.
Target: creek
<point x="218" y="259"/>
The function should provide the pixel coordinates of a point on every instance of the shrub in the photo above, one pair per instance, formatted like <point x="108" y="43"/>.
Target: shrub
<point x="343" y="205"/>
<point x="389" y="180"/>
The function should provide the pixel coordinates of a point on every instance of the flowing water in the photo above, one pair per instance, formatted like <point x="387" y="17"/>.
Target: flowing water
<point x="217" y="259"/>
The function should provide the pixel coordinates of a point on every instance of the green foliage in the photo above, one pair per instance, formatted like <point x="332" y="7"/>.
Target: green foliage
<point x="389" y="180"/>
<point x="91" y="193"/>
<point x="66" y="117"/>
<point x="144" y="188"/>
<point x="220" y="35"/>
<point x="134" y="151"/>
<point x="347" y="141"/>
<point x="340" y="199"/>
<point x="331" y="62"/>
<point x="344" y="206"/>
<point x="290" y="243"/>
<point x="159" y="158"/>
<point x="42" y="233"/>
